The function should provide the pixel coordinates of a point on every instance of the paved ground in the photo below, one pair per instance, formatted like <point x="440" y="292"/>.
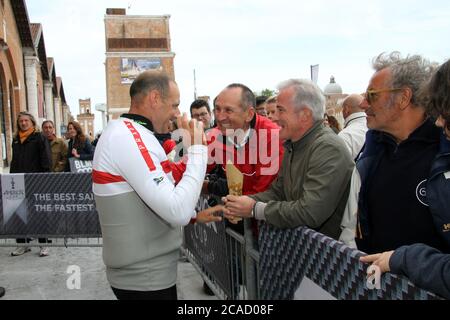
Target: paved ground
<point x="30" y="277"/>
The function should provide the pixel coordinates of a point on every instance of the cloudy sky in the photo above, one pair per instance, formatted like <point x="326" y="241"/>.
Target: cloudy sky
<point x="255" y="42"/>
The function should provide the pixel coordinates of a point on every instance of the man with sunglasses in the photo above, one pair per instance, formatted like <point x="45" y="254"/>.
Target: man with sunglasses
<point x="388" y="206"/>
<point x="425" y="266"/>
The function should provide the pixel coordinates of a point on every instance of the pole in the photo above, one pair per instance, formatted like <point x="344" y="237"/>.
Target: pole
<point x="195" y="86"/>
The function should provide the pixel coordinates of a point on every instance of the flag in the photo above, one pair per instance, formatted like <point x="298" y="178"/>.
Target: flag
<point x="315" y="73"/>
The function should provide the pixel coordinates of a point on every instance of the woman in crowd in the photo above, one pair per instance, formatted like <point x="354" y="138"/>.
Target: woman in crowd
<point x="79" y="145"/>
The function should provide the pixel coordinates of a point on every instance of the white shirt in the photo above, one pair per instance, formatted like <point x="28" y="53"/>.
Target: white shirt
<point x="354" y="133"/>
<point x="350" y="216"/>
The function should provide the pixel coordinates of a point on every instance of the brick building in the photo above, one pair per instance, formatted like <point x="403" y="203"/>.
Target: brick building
<point x="133" y="44"/>
<point x="28" y="79"/>
<point x="12" y="73"/>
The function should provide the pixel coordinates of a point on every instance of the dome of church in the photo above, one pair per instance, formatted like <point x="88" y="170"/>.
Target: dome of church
<point x="332" y="88"/>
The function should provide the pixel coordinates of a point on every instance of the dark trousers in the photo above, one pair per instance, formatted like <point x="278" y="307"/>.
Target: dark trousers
<point x="166" y="294"/>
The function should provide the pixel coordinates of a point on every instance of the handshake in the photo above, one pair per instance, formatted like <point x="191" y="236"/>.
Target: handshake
<point x="234" y="209"/>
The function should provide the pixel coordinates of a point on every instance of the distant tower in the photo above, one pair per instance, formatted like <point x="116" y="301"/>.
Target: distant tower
<point x="133" y="44"/>
<point x="86" y="118"/>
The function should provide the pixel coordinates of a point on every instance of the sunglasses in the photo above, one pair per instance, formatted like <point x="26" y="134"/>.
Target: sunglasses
<point x="371" y="95"/>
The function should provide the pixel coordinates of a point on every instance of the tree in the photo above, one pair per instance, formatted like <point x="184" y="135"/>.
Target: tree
<point x="268" y="93"/>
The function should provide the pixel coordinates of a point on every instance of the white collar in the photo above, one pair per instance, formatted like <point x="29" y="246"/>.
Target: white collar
<point x="244" y="141"/>
<point x="354" y="116"/>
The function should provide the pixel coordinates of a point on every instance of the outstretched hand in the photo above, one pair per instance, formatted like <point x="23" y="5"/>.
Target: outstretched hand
<point x="380" y="260"/>
<point x="208" y="215"/>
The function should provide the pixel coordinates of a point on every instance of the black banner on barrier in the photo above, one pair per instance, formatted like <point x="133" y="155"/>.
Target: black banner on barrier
<point x="209" y="246"/>
<point x="80" y="166"/>
<point x="57" y="205"/>
<point x="286" y="256"/>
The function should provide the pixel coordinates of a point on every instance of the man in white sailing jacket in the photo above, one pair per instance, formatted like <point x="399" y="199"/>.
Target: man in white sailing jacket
<point x="141" y="210"/>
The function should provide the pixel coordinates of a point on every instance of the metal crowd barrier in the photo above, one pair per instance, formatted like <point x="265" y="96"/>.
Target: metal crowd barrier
<point x="284" y="261"/>
<point x="61" y="207"/>
<point x="234" y="277"/>
<point x="55" y="206"/>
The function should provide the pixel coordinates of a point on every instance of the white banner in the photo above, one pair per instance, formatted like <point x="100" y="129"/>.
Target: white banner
<point x="13" y="197"/>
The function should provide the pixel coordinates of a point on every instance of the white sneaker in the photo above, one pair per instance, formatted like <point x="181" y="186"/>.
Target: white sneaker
<point x="43" y="252"/>
<point x="20" y="251"/>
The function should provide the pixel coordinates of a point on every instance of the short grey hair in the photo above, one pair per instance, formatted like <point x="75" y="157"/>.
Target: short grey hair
<point x="151" y="80"/>
<point x="412" y="72"/>
<point x="306" y="95"/>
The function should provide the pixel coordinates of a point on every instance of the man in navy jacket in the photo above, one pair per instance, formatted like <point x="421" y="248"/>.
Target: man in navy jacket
<point x="423" y="265"/>
<point x="391" y="207"/>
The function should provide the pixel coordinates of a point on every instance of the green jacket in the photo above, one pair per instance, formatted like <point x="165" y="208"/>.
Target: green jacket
<point x="312" y="185"/>
<point x="59" y="154"/>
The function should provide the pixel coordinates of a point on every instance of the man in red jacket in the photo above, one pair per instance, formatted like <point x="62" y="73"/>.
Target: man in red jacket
<point x="249" y="141"/>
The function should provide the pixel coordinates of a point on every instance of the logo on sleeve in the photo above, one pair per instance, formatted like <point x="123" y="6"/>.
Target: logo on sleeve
<point x="158" y="181"/>
<point x="421" y="193"/>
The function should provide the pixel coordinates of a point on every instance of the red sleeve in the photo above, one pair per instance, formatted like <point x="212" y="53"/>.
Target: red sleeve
<point x="169" y="145"/>
<point x="265" y="179"/>
<point x="178" y="170"/>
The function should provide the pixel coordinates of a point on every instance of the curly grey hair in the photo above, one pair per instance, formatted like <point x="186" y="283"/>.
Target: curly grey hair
<point x="412" y="72"/>
<point x="307" y="95"/>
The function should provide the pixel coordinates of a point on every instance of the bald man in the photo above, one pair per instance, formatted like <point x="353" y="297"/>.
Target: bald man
<point x="354" y="133"/>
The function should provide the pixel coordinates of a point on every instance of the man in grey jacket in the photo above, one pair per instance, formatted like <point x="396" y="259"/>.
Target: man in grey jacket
<point x="312" y="186"/>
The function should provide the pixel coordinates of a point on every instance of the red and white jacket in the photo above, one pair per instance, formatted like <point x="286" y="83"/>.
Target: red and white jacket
<point x="129" y="158"/>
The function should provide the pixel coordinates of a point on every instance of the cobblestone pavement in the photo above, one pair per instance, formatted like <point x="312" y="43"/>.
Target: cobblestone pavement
<point x="30" y="277"/>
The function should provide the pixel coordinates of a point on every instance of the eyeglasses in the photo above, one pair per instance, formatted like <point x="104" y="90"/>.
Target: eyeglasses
<point x="200" y="115"/>
<point x="371" y="95"/>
